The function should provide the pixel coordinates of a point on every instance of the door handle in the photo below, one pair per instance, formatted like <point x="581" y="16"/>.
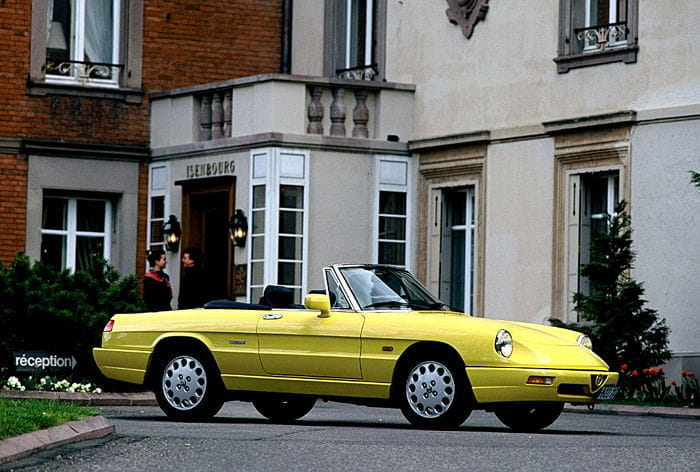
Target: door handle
<point x="271" y="317"/>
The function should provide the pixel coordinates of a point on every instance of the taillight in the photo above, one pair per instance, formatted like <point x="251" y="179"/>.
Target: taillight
<point x="109" y="326"/>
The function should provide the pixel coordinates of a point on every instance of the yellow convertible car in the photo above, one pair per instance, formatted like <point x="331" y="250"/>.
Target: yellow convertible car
<point x="374" y="336"/>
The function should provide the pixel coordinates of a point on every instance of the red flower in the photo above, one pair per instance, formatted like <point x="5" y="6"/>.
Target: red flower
<point x="673" y="382"/>
<point x="691" y="374"/>
<point x="623" y="367"/>
<point x="652" y="371"/>
<point x="645" y="371"/>
<point x="661" y="370"/>
<point x="634" y="373"/>
<point x="683" y="373"/>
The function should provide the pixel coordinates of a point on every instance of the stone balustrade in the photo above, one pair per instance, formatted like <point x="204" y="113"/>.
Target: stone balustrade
<point x="279" y="103"/>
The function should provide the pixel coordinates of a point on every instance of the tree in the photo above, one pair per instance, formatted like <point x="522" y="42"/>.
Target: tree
<point x="623" y="329"/>
<point x="695" y="178"/>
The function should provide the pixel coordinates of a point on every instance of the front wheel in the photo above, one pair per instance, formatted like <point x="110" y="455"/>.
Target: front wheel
<point x="529" y="418"/>
<point x="282" y="408"/>
<point x="435" y="394"/>
<point x="188" y="386"/>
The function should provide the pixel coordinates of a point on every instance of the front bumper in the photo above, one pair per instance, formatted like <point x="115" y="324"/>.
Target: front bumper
<point x="498" y="385"/>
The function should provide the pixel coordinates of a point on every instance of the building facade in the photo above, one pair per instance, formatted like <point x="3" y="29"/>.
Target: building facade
<point x="75" y="133"/>
<point x="477" y="143"/>
<point x="420" y="134"/>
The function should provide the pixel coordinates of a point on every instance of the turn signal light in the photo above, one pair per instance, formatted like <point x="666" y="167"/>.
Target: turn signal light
<point x="109" y="326"/>
<point x="536" y="380"/>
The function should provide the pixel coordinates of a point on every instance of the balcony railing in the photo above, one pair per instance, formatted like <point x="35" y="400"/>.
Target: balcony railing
<point x="82" y="70"/>
<point x="602" y="37"/>
<point x="280" y="103"/>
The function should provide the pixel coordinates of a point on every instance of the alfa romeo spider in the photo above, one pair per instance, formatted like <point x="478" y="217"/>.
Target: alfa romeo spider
<point x="373" y="336"/>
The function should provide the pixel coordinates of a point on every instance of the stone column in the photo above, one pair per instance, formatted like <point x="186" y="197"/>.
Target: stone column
<point x="360" y="115"/>
<point x="315" y="111"/>
<point x="338" y="113"/>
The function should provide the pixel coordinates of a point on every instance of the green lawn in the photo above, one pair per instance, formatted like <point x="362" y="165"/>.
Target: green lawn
<point x="23" y="416"/>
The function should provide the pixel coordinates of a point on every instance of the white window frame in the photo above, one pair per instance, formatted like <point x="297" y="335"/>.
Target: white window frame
<point x="156" y="189"/>
<point x="273" y="173"/>
<point x="572" y="231"/>
<point x="369" y="32"/>
<point x="385" y="184"/>
<point x="71" y="232"/>
<point x="612" y="18"/>
<point x="77" y="52"/>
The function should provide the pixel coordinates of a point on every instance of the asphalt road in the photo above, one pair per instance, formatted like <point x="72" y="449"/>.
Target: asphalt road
<point x="336" y="437"/>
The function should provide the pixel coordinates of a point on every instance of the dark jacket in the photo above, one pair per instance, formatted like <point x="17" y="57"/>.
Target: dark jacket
<point x="157" y="292"/>
<point x="194" y="289"/>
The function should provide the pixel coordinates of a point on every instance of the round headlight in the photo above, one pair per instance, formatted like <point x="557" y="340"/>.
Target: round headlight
<point x="585" y="341"/>
<point x="504" y="343"/>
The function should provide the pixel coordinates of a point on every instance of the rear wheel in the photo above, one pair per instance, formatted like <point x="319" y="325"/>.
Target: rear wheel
<point x="187" y="386"/>
<point x="435" y="394"/>
<point x="529" y="418"/>
<point x="282" y="408"/>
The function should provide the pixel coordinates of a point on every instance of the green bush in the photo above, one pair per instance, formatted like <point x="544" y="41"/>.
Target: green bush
<point x="45" y="309"/>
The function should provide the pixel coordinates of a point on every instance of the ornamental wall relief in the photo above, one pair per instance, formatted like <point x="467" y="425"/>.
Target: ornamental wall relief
<point x="466" y="14"/>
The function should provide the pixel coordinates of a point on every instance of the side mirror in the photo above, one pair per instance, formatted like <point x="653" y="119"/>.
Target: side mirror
<point x="317" y="301"/>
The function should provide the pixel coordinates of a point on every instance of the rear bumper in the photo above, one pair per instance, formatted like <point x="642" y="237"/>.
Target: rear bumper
<point x="122" y="364"/>
<point x="498" y="385"/>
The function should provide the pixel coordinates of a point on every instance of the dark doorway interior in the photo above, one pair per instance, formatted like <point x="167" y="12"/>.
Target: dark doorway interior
<point x="208" y="209"/>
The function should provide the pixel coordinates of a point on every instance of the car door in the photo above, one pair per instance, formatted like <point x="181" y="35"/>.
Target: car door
<point x="300" y="343"/>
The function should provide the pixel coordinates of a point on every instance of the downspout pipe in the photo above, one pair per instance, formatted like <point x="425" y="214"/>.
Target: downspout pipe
<point x="286" y="61"/>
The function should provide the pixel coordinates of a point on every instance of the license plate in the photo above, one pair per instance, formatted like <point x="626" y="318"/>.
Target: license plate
<point x="607" y="393"/>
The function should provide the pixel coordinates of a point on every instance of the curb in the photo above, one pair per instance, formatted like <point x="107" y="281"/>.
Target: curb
<point x="18" y="447"/>
<point x="634" y="410"/>
<point x="88" y="399"/>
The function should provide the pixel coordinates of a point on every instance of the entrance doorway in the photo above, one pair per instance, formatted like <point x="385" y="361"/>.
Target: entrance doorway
<point x="457" y="248"/>
<point x="207" y="208"/>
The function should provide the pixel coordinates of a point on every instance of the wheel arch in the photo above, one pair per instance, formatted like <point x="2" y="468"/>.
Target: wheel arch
<point x="173" y="344"/>
<point x="426" y="350"/>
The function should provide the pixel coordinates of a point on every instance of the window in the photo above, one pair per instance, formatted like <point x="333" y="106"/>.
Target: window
<point x="335" y="293"/>
<point x="599" y="193"/>
<point x="279" y="221"/>
<point x="392" y="211"/>
<point x="596" y="32"/>
<point x="86" y="43"/>
<point x="457" y="248"/>
<point x="73" y="230"/>
<point x="83" y="41"/>
<point x="354" y="36"/>
<point x="157" y="206"/>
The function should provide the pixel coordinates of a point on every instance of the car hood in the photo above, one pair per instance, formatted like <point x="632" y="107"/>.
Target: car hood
<point x="534" y="345"/>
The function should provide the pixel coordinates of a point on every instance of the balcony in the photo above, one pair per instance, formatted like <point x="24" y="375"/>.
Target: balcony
<point x="282" y="109"/>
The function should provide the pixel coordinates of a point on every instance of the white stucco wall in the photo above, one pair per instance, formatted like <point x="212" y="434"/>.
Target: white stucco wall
<point x="519" y="231"/>
<point x="665" y="213"/>
<point x="505" y="77"/>
<point x="341" y="205"/>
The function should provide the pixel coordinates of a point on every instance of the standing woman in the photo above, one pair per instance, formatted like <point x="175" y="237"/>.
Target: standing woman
<point x="156" y="283"/>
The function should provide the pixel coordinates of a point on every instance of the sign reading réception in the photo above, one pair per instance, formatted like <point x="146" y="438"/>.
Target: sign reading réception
<point x="29" y="361"/>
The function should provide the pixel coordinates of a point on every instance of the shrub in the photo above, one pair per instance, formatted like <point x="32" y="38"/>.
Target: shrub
<point x="623" y="329"/>
<point x="42" y="308"/>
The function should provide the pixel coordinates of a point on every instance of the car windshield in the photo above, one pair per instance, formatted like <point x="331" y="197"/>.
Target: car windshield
<point x="389" y="288"/>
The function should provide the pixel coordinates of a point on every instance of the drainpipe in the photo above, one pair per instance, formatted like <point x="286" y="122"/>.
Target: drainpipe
<point x="286" y="65"/>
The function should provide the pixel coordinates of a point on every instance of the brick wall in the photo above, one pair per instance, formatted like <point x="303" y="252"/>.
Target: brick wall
<point x="186" y="42"/>
<point x="13" y="201"/>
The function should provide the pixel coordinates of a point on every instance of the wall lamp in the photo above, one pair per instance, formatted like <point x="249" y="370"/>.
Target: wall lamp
<point x="171" y="234"/>
<point x="238" y="228"/>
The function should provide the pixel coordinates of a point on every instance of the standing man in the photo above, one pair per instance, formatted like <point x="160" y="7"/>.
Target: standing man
<point x="194" y="288"/>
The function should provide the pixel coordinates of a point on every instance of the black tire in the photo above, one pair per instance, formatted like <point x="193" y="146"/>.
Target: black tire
<point x="282" y="408"/>
<point x="529" y="418"/>
<point x="435" y="394"/>
<point x="188" y="386"/>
